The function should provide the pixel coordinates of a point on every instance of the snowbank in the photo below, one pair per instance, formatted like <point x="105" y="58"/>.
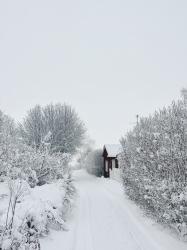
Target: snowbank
<point x="41" y="208"/>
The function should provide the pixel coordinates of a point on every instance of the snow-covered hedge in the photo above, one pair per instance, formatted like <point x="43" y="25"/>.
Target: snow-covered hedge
<point x="31" y="208"/>
<point x="154" y="165"/>
<point x="17" y="160"/>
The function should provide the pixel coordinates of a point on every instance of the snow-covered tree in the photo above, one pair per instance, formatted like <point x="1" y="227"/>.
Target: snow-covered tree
<point x="65" y="127"/>
<point x="82" y="154"/>
<point x="93" y="162"/>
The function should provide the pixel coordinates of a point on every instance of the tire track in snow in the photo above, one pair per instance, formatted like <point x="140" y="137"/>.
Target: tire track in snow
<point x="135" y="230"/>
<point x="82" y="238"/>
<point x="117" y="236"/>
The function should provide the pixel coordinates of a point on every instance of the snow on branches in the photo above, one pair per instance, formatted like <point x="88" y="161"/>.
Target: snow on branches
<point x="154" y="165"/>
<point x="24" y="216"/>
<point x="61" y="121"/>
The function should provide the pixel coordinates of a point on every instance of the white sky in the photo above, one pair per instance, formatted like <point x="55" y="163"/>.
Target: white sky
<point x="110" y="59"/>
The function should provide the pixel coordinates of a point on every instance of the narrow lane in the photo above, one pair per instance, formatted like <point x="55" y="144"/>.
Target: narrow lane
<point x="101" y="221"/>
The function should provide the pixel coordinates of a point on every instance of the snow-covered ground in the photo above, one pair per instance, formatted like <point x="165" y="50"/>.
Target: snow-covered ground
<point x="35" y="198"/>
<point x="42" y="205"/>
<point x="105" y="220"/>
<point x="47" y="193"/>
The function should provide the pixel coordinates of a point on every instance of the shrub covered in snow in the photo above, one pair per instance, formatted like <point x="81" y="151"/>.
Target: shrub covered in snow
<point x="27" y="215"/>
<point x="18" y="160"/>
<point x="94" y="162"/>
<point x="69" y="197"/>
<point x="30" y="213"/>
<point x="91" y="159"/>
<point x="154" y="165"/>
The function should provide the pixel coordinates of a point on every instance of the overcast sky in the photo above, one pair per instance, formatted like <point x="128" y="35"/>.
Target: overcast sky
<point x="110" y="59"/>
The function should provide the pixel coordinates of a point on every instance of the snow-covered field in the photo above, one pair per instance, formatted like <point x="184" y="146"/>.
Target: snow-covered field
<point x="105" y="220"/>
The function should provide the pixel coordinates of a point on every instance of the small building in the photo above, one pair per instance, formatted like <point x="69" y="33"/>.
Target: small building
<point x="110" y="161"/>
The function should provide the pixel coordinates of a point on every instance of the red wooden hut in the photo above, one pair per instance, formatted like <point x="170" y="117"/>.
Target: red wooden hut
<point x="110" y="161"/>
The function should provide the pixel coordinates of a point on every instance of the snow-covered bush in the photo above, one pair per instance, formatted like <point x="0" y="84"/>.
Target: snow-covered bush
<point x="82" y="154"/>
<point x="7" y="141"/>
<point x="94" y="162"/>
<point x="69" y="197"/>
<point x="16" y="234"/>
<point x="18" y="160"/>
<point x="39" y="151"/>
<point x="36" y="211"/>
<point x="90" y="158"/>
<point x="25" y="217"/>
<point x="154" y="165"/>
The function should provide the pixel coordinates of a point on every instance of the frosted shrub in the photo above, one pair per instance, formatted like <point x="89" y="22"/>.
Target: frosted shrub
<point x="32" y="216"/>
<point x="25" y="168"/>
<point x="25" y="237"/>
<point x="69" y="198"/>
<point x="94" y="162"/>
<point x="154" y="165"/>
<point x="12" y="235"/>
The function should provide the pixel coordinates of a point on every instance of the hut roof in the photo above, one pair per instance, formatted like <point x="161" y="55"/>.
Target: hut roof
<point x="113" y="149"/>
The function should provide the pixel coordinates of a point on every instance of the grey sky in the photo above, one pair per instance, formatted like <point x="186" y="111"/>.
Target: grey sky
<point x="110" y="59"/>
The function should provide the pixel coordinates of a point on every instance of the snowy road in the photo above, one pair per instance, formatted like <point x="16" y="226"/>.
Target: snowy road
<point x="102" y="221"/>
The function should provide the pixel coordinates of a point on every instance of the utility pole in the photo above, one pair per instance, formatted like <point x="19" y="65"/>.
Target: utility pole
<point x="184" y="96"/>
<point x="137" y="119"/>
